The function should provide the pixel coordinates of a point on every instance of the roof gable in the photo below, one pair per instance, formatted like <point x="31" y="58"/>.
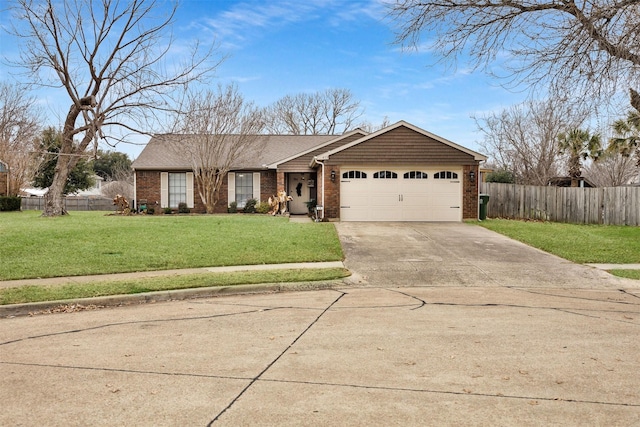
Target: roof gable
<point x="348" y="136"/>
<point x="402" y="124"/>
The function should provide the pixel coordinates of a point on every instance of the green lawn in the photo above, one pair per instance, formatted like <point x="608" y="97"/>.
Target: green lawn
<point x="601" y="244"/>
<point x="85" y="243"/>
<point x="26" y="294"/>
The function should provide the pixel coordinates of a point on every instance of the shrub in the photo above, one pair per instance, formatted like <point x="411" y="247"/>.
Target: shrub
<point x="167" y="211"/>
<point x="263" y="207"/>
<point x="250" y="206"/>
<point x="233" y="207"/>
<point x="10" y="203"/>
<point x="311" y="205"/>
<point x="182" y="208"/>
<point x="503" y="176"/>
<point x="151" y="211"/>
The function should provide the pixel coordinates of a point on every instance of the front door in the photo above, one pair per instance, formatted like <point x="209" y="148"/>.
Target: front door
<point x="299" y="192"/>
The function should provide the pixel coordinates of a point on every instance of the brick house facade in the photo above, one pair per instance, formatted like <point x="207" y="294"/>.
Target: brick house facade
<point x="331" y="170"/>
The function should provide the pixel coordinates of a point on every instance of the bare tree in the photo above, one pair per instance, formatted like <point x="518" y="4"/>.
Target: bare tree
<point x="331" y="112"/>
<point x="370" y="127"/>
<point x="611" y="170"/>
<point x="591" y="48"/>
<point x="523" y="139"/>
<point x="217" y="131"/>
<point x="19" y="133"/>
<point x="110" y="58"/>
<point x="119" y="182"/>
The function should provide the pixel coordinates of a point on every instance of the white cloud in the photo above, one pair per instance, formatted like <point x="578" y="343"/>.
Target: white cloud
<point x="247" y="20"/>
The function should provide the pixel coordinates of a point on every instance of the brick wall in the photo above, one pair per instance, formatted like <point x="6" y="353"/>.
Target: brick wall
<point x="470" y="192"/>
<point x="4" y="177"/>
<point x="148" y="187"/>
<point x="280" y="181"/>
<point x="332" y="193"/>
<point x="268" y="184"/>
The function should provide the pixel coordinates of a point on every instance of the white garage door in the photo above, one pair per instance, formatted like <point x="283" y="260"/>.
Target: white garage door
<point x="401" y="194"/>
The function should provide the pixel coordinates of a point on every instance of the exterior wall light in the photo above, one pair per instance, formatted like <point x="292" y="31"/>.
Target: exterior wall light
<point x="472" y="176"/>
<point x="333" y="176"/>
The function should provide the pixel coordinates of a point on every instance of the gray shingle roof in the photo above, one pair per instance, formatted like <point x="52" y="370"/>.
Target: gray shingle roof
<point x="159" y="153"/>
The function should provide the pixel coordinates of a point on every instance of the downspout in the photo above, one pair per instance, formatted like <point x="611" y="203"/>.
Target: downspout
<point x="322" y="163"/>
<point x="135" y="190"/>
<point x="314" y="162"/>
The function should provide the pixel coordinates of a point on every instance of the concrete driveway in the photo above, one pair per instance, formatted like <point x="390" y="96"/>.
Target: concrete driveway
<point x="457" y="254"/>
<point x="444" y="324"/>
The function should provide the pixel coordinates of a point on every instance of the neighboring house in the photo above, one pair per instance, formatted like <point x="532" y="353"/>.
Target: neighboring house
<point x="94" y="191"/>
<point x="399" y="173"/>
<point x="567" y="181"/>
<point x="4" y="179"/>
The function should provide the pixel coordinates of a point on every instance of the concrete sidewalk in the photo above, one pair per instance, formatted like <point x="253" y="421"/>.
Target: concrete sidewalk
<point x="161" y="273"/>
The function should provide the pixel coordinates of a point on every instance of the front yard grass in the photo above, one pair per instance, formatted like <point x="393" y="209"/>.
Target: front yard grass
<point x="584" y="244"/>
<point x="88" y="243"/>
<point x="26" y="294"/>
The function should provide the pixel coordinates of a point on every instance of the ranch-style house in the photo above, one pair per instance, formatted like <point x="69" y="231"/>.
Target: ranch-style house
<point x="399" y="173"/>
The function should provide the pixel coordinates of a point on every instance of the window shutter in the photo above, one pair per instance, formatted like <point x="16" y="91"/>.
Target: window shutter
<point x="190" y="190"/>
<point x="231" y="187"/>
<point x="164" y="189"/>
<point x="256" y="186"/>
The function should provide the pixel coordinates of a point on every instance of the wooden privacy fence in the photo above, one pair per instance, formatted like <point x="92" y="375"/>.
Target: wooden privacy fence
<point x="610" y="205"/>
<point x="78" y="203"/>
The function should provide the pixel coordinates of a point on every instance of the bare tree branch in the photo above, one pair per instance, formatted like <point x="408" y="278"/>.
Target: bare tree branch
<point x="588" y="48"/>
<point x="524" y="138"/>
<point x="115" y="54"/>
<point x="331" y="112"/>
<point x="216" y="131"/>
<point x="19" y="131"/>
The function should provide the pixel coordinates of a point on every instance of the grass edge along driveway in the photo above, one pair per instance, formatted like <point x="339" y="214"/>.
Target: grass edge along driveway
<point x="579" y="243"/>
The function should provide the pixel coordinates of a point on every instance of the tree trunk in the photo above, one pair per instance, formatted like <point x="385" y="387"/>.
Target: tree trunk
<point x="54" y="199"/>
<point x="67" y="160"/>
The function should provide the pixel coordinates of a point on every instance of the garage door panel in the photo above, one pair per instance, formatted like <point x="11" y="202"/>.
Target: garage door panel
<point x="402" y="199"/>
<point x="443" y="213"/>
<point x="354" y="214"/>
<point x="383" y="200"/>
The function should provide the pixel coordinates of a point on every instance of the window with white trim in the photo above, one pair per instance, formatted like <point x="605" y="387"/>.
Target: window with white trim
<point x="244" y="188"/>
<point x="445" y="175"/>
<point x="415" y="175"/>
<point x="177" y="189"/>
<point x="354" y="175"/>
<point x="385" y="175"/>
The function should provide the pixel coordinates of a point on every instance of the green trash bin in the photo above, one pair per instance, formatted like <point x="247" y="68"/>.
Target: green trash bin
<point x="484" y="201"/>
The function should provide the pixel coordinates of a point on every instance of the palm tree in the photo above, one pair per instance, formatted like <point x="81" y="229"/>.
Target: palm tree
<point x="580" y="145"/>
<point x="627" y="139"/>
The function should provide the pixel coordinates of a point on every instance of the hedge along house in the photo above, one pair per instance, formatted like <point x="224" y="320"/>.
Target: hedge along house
<point x="399" y="173"/>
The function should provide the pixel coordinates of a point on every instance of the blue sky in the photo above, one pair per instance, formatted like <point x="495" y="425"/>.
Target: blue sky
<point x="281" y="47"/>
